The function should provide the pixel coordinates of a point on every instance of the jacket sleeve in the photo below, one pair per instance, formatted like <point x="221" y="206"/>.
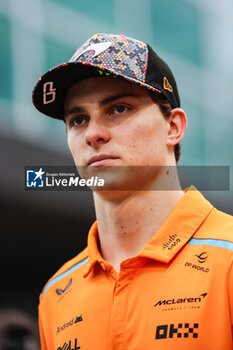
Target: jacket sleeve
<point x="42" y="335"/>
<point x="230" y="293"/>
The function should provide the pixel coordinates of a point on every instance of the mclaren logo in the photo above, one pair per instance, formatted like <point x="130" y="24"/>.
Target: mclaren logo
<point x="181" y="300"/>
<point x="97" y="48"/>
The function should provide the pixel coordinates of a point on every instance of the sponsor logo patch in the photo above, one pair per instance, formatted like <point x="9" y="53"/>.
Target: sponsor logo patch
<point x="171" y="243"/>
<point x="70" y="345"/>
<point x="70" y="323"/>
<point x="65" y="291"/>
<point x="180" y="300"/>
<point x="60" y="291"/>
<point x="182" y="330"/>
<point x="196" y="267"/>
<point x="202" y="257"/>
<point x="180" y="303"/>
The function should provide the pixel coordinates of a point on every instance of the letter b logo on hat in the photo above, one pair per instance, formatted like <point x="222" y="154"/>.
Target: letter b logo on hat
<point x="49" y="93"/>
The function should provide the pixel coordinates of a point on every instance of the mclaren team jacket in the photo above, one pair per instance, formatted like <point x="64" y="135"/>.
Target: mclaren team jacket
<point x="177" y="293"/>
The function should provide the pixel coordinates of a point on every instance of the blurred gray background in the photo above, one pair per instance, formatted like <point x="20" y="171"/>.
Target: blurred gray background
<point x="41" y="230"/>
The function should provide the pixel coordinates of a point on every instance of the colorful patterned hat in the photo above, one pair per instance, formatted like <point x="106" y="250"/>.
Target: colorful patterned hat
<point x="104" y="54"/>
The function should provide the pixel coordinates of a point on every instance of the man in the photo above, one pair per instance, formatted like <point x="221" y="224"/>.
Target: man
<point x="157" y="272"/>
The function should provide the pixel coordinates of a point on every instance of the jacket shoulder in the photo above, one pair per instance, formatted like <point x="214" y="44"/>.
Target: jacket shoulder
<point x="66" y="269"/>
<point x="70" y="263"/>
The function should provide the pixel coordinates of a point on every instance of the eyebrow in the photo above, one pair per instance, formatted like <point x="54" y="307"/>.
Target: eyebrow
<point x="73" y="110"/>
<point x="116" y="97"/>
<point x="105" y="101"/>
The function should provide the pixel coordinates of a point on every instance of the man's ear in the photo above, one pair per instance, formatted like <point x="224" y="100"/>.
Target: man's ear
<point x="178" y="125"/>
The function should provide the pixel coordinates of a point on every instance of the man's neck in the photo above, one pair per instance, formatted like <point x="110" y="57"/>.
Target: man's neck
<point x="125" y="225"/>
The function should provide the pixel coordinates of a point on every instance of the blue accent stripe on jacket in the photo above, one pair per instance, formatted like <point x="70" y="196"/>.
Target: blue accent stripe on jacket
<point x="212" y="242"/>
<point x="64" y="274"/>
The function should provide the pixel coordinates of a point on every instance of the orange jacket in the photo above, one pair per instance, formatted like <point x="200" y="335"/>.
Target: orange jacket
<point x="177" y="293"/>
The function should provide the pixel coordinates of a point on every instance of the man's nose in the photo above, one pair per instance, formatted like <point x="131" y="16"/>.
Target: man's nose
<point x="97" y="133"/>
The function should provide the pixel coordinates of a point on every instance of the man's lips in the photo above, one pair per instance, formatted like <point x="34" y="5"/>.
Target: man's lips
<point x="101" y="159"/>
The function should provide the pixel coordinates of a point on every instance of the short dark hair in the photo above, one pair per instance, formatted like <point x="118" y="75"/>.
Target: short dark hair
<point x="166" y="109"/>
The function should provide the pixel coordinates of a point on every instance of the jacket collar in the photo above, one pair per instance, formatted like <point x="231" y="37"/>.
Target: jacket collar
<point x="175" y="232"/>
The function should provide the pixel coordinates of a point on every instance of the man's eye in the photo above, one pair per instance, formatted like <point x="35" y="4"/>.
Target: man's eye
<point x="119" y="109"/>
<point x="78" y="121"/>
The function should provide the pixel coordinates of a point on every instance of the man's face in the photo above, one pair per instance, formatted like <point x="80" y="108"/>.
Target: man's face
<point x="112" y="122"/>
